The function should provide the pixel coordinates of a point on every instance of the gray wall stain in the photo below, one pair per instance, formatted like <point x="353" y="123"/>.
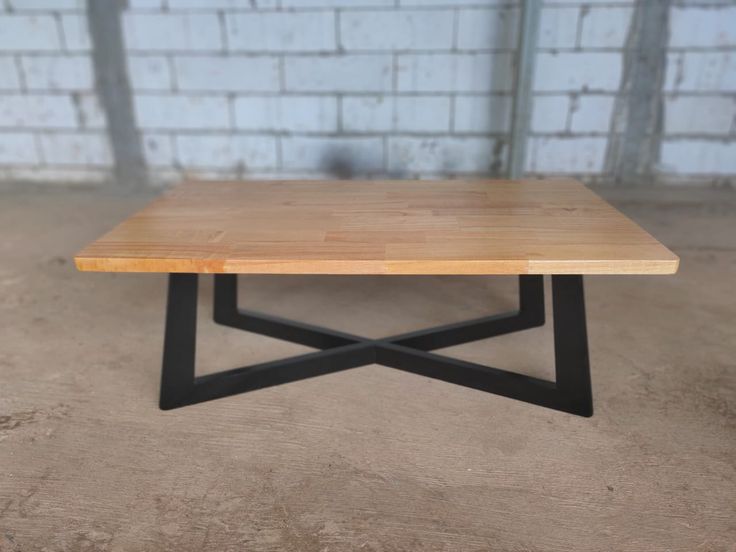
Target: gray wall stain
<point x="636" y="123"/>
<point x="114" y="91"/>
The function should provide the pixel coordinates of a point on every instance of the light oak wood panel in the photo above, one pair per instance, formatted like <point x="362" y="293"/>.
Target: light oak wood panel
<point x="380" y="227"/>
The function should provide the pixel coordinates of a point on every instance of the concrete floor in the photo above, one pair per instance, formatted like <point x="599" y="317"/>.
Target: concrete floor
<point x="370" y="459"/>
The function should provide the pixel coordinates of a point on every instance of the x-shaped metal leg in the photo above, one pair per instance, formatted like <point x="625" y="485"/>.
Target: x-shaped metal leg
<point x="570" y="392"/>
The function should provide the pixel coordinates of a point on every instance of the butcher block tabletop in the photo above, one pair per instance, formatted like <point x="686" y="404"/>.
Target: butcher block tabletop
<point x="379" y="227"/>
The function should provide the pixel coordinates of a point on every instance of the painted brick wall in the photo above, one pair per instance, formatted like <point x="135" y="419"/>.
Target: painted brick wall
<point x="51" y="124"/>
<point x="225" y="88"/>
<point x="700" y="87"/>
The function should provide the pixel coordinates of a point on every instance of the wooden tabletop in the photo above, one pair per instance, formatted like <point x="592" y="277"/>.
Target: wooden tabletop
<point x="379" y="227"/>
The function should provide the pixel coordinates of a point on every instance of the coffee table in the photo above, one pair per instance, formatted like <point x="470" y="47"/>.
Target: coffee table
<point x="528" y="228"/>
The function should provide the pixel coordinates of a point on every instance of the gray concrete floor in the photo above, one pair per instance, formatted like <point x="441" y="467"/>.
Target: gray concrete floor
<point x="368" y="459"/>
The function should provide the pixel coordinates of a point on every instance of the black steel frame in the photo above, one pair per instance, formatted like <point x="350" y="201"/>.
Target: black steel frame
<point x="570" y="392"/>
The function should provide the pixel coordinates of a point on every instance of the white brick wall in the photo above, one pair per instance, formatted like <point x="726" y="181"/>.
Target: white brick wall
<point x="591" y="113"/>
<point x="604" y="27"/>
<point x="46" y="4"/>
<point x="549" y="114"/>
<point x="28" y="33"/>
<point x="148" y="73"/>
<point x="700" y="88"/>
<point x="338" y="73"/>
<point x="228" y="4"/>
<point x="146" y="4"/>
<point x="402" y="87"/>
<point x="180" y="112"/>
<point x="75" y="149"/>
<point x="422" y="114"/>
<point x="158" y="150"/>
<point x="9" y="79"/>
<point x="693" y="26"/>
<point x="18" y="148"/>
<point x="372" y="113"/>
<point x="51" y="123"/>
<point x="412" y="156"/>
<point x="71" y="72"/>
<point x="237" y="153"/>
<point x="226" y="74"/>
<point x="392" y="30"/>
<point x="558" y="27"/>
<point x="564" y="155"/>
<point x="281" y="31"/>
<point x="455" y="72"/>
<point x="286" y="113"/>
<point x="182" y="32"/>
<point x="483" y="29"/>
<point x="482" y="114"/>
<point x="76" y="32"/>
<point x="701" y="71"/>
<point x="41" y="111"/>
<point x="89" y="112"/>
<point x="317" y="153"/>
<point x="714" y="115"/>
<point x="577" y="71"/>
<point x="234" y="4"/>
<point x="699" y="157"/>
<point x="335" y="3"/>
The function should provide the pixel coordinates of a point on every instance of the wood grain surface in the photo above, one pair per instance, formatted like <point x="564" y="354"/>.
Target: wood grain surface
<point x="380" y="227"/>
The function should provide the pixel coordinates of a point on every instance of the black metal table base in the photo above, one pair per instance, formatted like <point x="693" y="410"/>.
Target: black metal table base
<point x="570" y="392"/>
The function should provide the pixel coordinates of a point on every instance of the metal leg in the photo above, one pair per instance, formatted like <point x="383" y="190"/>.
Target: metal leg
<point x="572" y="368"/>
<point x="177" y="374"/>
<point x="529" y="315"/>
<point x="571" y="392"/>
<point x="227" y="313"/>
